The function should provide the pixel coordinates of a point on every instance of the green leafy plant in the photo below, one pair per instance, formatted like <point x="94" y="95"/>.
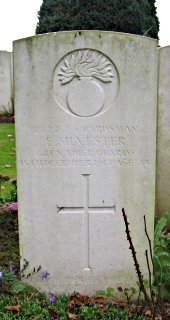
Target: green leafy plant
<point x="109" y="292"/>
<point x="161" y="259"/>
<point x="7" y="278"/>
<point x="10" y="283"/>
<point x="20" y="287"/>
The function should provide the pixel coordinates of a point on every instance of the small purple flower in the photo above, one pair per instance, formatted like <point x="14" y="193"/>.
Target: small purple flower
<point x="51" y="298"/>
<point x="11" y="269"/>
<point x="45" y="275"/>
<point x="1" y="275"/>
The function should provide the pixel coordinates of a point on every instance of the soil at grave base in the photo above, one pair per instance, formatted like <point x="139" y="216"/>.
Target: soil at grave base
<point x="9" y="243"/>
<point x="6" y="119"/>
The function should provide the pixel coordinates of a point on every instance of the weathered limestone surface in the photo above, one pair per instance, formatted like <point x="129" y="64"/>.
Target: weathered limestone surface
<point x="6" y="81"/>
<point x="163" y="140"/>
<point x="86" y="136"/>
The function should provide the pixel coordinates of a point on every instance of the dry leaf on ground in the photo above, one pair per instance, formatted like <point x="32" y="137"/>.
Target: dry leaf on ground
<point x="52" y="313"/>
<point x="71" y="315"/>
<point x="78" y="299"/>
<point x="7" y="166"/>
<point x="129" y="312"/>
<point x="101" y="307"/>
<point x="158" y="317"/>
<point x="147" y="312"/>
<point x="98" y="300"/>
<point x="16" y="308"/>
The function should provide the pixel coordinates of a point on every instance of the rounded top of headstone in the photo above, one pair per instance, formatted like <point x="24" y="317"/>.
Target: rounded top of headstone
<point x="79" y="33"/>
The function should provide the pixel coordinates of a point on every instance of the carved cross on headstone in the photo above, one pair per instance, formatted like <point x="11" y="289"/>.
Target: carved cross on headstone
<point x="86" y="210"/>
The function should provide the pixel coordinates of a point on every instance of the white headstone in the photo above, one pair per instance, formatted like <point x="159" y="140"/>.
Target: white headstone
<point x="163" y="141"/>
<point x="86" y="135"/>
<point x="6" y="82"/>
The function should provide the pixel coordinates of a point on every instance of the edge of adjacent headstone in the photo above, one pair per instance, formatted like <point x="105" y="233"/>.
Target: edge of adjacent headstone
<point x="162" y="176"/>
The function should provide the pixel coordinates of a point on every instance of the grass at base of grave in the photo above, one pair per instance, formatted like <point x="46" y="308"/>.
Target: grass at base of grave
<point x="7" y="157"/>
<point x="37" y="306"/>
<point x="9" y="247"/>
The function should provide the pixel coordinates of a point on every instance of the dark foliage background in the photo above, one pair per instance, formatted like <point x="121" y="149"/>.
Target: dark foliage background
<point x="132" y="16"/>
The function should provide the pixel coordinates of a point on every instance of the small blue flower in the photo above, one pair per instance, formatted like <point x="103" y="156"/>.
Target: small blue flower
<point x="11" y="269"/>
<point x="45" y="275"/>
<point x="1" y="275"/>
<point x="51" y="298"/>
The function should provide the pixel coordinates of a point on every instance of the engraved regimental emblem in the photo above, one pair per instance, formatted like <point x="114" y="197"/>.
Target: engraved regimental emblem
<point x="85" y="83"/>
